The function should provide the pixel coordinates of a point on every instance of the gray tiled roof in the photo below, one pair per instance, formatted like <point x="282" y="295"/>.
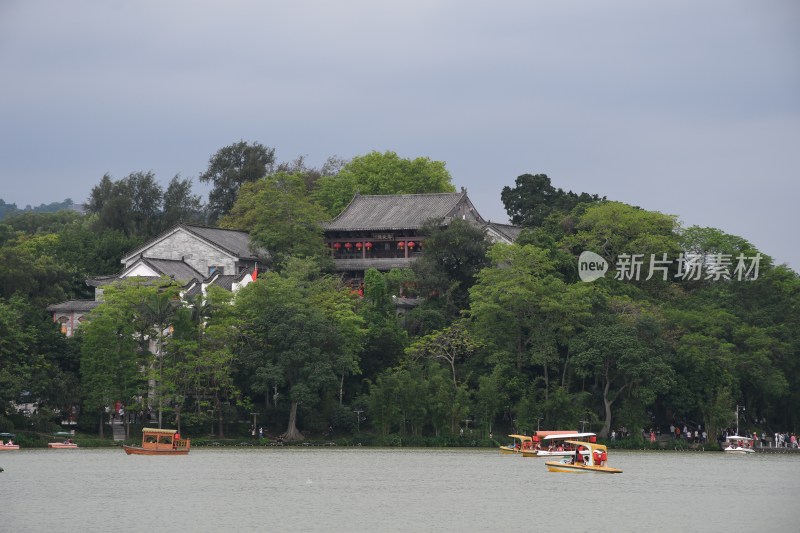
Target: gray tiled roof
<point x="394" y="211"/>
<point x="73" y="305"/>
<point x="177" y="270"/>
<point x="510" y="231"/>
<point x="234" y="241"/>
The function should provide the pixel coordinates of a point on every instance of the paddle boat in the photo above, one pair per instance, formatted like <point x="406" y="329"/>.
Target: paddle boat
<point x="538" y="438"/>
<point x="7" y="445"/>
<point x="156" y="441"/>
<point x="739" y="445"/>
<point x="594" y="461"/>
<point x="519" y="443"/>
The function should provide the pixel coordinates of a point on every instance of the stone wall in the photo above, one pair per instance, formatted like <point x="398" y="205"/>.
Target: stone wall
<point x="197" y="253"/>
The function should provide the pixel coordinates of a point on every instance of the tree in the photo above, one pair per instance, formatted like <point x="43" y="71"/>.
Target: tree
<point x="381" y="173"/>
<point x="231" y="167"/>
<point x="625" y="356"/>
<point x="131" y="205"/>
<point x="450" y="262"/>
<point x="180" y="205"/>
<point x="286" y="341"/>
<point x="110" y="361"/>
<point x="280" y="217"/>
<point x="451" y="345"/>
<point x="533" y="199"/>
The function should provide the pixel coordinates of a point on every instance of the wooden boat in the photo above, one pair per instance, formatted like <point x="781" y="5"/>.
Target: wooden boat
<point x="157" y="441"/>
<point x="6" y="446"/>
<point x="738" y="445"/>
<point x="593" y="462"/>
<point x="519" y="443"/>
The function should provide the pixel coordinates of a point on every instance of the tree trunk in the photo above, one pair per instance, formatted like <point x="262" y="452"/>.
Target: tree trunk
<point x="341" y="389"/>
<point x="102" y="422"/>
<point x="292" y="433"/>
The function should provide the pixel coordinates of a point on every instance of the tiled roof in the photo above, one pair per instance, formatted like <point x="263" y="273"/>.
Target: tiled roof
<point x="394" y="211"/>
<point x="73" y="305"/>
<point x="235" y="242"/>
<point x="508" y="230"/>
<point x="177" y="270"/>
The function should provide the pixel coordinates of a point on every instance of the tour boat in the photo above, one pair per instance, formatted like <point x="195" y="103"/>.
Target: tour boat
<point x="738" y="444"/>
<point x="6" y="446"/>
<point x="553" y="445"/>
<point x="157" y="441"/>
<point x="520" y="443"/>
<point x="594" y="461"/>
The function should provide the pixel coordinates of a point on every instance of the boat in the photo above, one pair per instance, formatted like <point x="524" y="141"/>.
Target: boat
<point x="7" y="445"/>
<point x="520" y="442"/>
<point x="66" y="445"/>
<point x="593" y="462"/>
<point x="739" y="445"/>
<point x="554" y="445"/>
<point x="156" y="441"/>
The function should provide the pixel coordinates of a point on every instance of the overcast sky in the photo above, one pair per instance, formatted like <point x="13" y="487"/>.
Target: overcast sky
<point x="688" y="107"/>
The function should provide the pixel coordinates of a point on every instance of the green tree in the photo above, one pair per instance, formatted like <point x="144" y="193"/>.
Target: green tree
<point x="180" y="204"/>
<point x="450" y="262"/>
<point x="626" y="357"/>
<point x="280" y="217"/>
<point x="231" y="167"/>
<point x="381" y="173"/>
<point x="533" y="199"/>
<point x="286" y="341"/>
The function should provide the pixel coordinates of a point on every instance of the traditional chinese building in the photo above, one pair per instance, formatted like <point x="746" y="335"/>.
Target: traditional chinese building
<point x="385" y="231"/>
<point x="194" y="256"/>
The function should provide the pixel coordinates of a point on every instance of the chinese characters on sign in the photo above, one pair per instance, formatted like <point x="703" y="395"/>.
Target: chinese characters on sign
<point x="690" y="267"/>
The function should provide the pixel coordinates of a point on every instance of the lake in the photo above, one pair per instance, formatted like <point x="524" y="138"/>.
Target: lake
<point x="366" y="489"/>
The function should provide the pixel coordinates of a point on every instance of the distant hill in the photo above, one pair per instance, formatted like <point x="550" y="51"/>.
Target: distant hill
<point x="68" y="204"/>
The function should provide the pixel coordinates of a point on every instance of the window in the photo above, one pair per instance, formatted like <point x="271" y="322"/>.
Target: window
<point x="216" y="268"/>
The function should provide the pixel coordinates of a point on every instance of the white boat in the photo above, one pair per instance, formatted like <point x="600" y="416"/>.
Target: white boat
<point x="738" y="444"/>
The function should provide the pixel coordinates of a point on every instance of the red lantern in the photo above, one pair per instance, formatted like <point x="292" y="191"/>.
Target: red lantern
<point x="401" y="244"/>
<point x="359" y="245"/>
<point x="368" y="245"/>
<point x="348" y="245"/>
<point x="337" y="245"/>
<point x="410" y="244"/>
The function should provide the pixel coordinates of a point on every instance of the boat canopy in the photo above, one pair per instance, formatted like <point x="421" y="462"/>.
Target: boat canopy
<point x="737" y="437"/>
<point x="159" y="431"/>
<point x="570" y="436"/>
<point x="520" y="437"/>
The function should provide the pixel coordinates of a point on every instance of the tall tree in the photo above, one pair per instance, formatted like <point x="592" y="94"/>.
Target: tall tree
<point x="451" y="259"/>
<point x="286" y="341"/>
<point x="231" y="167"/>
<point x="180" y="205"/>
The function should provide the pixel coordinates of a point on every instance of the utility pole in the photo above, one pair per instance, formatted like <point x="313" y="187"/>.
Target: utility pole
<point x="358" y="419"/>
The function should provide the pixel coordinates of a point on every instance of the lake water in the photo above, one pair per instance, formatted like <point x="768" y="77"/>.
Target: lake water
<point x="363" y="489"/>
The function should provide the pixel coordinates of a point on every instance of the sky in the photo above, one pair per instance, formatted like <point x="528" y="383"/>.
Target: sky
<point x="687" y="107"/>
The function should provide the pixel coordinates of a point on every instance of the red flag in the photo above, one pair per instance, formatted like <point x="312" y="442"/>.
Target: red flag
<point x="255" y="272"/>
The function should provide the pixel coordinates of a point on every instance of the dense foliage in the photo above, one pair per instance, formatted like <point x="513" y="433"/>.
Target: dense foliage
<point x="681" y="329"/>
